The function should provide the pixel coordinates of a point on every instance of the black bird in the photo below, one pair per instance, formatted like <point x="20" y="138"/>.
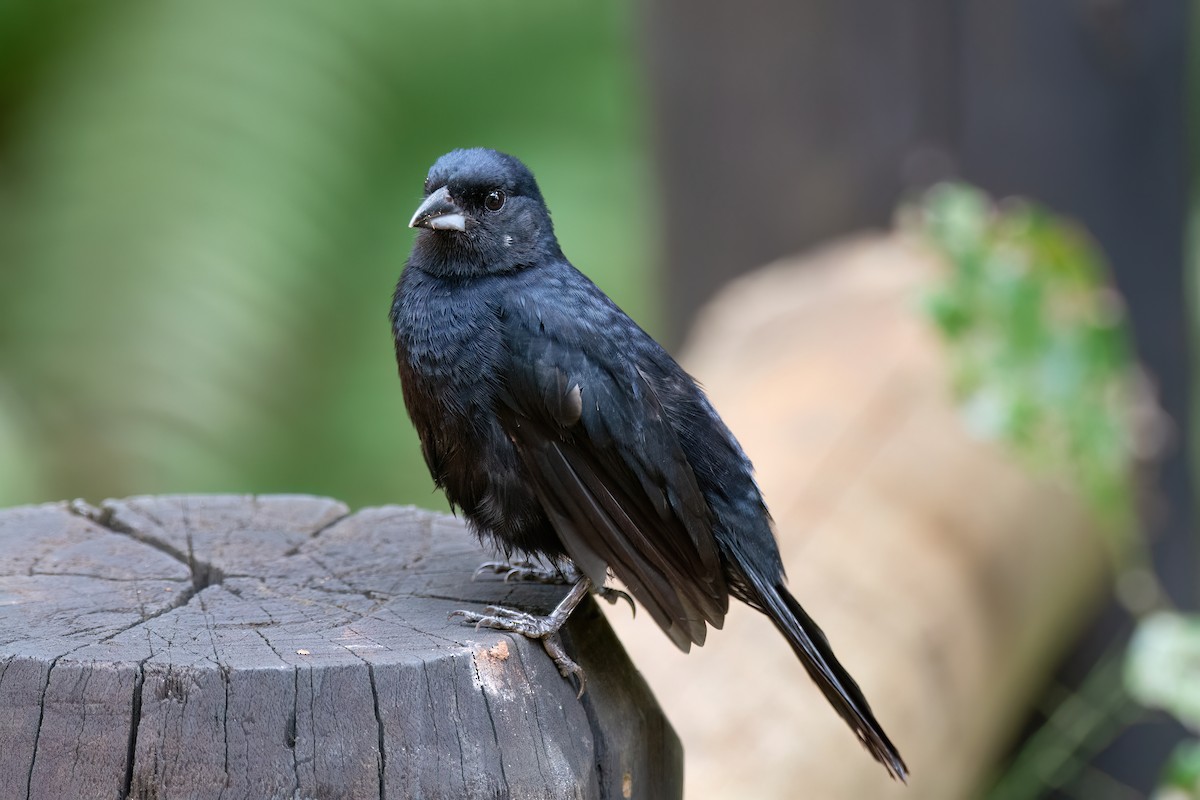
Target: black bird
<point x="564" y="432"/>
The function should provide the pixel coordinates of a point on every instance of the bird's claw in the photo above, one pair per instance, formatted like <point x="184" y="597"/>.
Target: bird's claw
<point x="532" y="627"/>
<point x="613" y="596"/>
<point x="494" y="568"/>
<point x="523" y="571"/>
<point x="506" y="619"/>
<point x="566" y="666"/>
<point x="531" y="571"/>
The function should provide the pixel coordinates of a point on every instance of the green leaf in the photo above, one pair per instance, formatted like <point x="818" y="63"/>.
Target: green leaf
<point x="1037" y="341"/>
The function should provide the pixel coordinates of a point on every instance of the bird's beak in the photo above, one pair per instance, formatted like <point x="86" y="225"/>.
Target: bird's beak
<point x="439" y="213"/>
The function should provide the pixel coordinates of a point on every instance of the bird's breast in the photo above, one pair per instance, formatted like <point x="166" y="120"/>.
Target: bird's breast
<point x="449" y="343"/>
<point x="450" y="352"/>
<point x="450" y="355"/>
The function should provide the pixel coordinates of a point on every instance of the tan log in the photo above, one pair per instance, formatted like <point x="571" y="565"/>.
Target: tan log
<point x="947" y="578"/>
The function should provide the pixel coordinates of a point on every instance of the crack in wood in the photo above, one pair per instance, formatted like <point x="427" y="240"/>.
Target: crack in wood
<point x="599" y="745"/>
<point x="487" y="707"/>
<point x="291" y="735"/>
<point x="225" y="725"/>
<point x="135" y="721"/>
<point x="547" y="779"/>
<point x="379" y="725"/>
<point x="295" y="549"/>
<point x="37" y="735"/>
<point x="203" y="573"/>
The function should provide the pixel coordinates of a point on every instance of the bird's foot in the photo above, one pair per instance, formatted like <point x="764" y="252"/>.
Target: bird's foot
<point x="534" y="627"/>
<point x="509" y="619"/>
<point x="564" y="575"/>
<point x="522" y="570"/>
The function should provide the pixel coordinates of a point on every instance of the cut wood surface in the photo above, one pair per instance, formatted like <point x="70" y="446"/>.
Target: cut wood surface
<point x="947" y="579"/>
<point x="279" y="647"/>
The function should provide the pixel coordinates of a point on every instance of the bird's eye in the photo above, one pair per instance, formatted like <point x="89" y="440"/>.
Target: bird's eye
<point x="494" y="200"/>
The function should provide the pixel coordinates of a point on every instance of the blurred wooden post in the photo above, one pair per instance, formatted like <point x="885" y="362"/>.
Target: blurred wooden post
<point x="947" y="578"/>
<point x="279" y="647"/>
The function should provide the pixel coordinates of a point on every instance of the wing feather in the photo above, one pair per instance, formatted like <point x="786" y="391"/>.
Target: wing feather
<point x="575" y="517"/>
<point x="613" y="478"/>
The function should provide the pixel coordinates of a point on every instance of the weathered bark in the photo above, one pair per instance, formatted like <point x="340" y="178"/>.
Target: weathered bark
<point x="279" y="647"/>
<point x="946" y="577"/>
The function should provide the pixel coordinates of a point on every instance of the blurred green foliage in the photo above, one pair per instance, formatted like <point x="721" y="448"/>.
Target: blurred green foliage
<point x="1163" y="666"/>
<point x="202" y="217"/>
<point x="1041" y="359"/>
<point x="1162" y="670"/>
<point x="1038" y="342"/>
<point x="1181" y="775"/>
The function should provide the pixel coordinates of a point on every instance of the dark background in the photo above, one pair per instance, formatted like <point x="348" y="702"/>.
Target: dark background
<point x="1079" y="105"/>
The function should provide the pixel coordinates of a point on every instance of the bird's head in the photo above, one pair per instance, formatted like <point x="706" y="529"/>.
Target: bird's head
<point x="482" y="213"/>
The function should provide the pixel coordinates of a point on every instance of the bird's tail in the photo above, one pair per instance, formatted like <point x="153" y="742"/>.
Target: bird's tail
<point x="822" y="665"/>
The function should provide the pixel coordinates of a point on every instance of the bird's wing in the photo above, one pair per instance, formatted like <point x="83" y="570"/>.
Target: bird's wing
<point x="613" y="478"/>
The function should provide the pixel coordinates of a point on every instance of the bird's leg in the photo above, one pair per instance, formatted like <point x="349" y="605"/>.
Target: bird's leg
<point x="545" y="628"/>
<point x="565" y="574"/>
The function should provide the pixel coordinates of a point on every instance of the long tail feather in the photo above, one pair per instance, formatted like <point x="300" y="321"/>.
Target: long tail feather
<point x="830" y="676"/>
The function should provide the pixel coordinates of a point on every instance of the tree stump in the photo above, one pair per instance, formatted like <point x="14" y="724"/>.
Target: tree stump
<point x="280" y="647"/>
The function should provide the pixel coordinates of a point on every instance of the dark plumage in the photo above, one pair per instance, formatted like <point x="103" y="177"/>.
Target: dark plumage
<point x="562" y="430"/>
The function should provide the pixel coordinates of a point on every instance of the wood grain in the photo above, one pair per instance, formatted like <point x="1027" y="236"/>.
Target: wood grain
<point x="280" y="647"/>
